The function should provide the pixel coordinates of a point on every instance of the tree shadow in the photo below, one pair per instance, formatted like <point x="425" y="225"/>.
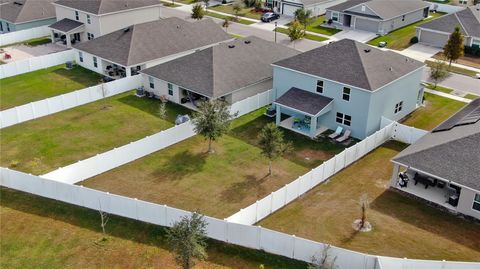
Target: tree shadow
<point x="238" y="191"/>
<point x="79" y="75"/>
<point x="181" y="165"/>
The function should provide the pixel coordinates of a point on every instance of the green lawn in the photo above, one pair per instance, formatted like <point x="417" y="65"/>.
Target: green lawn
<point x="454" y="69"/>
<point x="44" y="144"/>
<point x="402" y="227"/>
<point x="42" y="233"/>
<point x="38" y="41"/>
<point x="316" y="26"/>
<point x="438" y="88"/>
<point x="400" y="38"/>
<point x="44" y="83"/>
<point x="307" y="36"/>
<point x="471" y="96"/>
<point x="245" y="12"/>
<point x="217" y="184"/>
<point x="187" y="2"/>
<point x="231" y="18"/>
<point x="436" y="110"/>
<point x="169" y="4"/>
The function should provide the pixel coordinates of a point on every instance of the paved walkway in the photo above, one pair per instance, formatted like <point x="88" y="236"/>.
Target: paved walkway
<point x="454" y="97"/>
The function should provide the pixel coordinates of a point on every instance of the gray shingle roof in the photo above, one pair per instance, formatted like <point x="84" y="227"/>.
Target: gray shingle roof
<point x="304" y="101"/>
<point x="452" y="154"/>
<point x="99" y="7"/>
<point x="348" y="62"/>
<point x="220" y="70"/>
<point x="65" y="25"/>
<point x="385" y="9"/>
<point x="20" y="11"/>
<point x="154" y="40"/>
<point x="468" y="20"/>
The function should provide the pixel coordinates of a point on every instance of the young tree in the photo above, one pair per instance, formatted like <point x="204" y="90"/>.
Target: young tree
<point x="438" y="71"/>
<point x="324" y="261"/>
<point x="197" y="12"/>
<point x="364" y="206"/>
<point x="454" y="47"/>
<point x="162" y="110"/>
<point x="188" y="239"/>
<point x="303" y="16"/>
<point x="103" y="218"/>
<point x="237" y="7"/>
<point x="272" y="143"/>
<point x="295" y="31"/>
<point x="212" y="120"/>
<point x="226" y="24"/>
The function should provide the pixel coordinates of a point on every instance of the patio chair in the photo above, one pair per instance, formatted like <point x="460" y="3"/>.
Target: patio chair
<point x="337" y="133"/>
<point x="344" y="137"/>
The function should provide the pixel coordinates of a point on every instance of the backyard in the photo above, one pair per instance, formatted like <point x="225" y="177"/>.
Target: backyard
<point x="402" y="227"/>
<point x="44" y="144"/>
<point x="44" y="83"/>
<point x="400" y="38"/>
<point x="67" y="236"/>
<point x="217" y="184"/>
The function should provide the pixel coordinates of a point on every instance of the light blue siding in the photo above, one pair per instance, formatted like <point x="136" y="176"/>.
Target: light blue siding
<point x="27" y="25"/>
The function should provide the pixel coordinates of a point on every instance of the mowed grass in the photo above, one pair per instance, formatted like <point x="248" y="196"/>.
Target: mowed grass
<point x="42" y="233"/>
<point x="316" y="26"/>
<point x="400" y="38"/>
<point x="436" y="110"/>
<point x="230" y="18"/>
<point x="455" y="69"/>
<point x="44" y="144"/>
<point x="245" y="12"/>
<point x="402" y="226"/>
<point x="44" y="83"/>
<point x="216" y="184"/>
<point x="307" y="35"/>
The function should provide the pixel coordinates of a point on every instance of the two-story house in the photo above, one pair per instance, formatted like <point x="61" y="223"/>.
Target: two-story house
<point x="377" y="16"/>
<point x="18" y="15"/>
<point x="288" y="7"/>
<point x="83" y="20"/>
<point x="347" y="84"/>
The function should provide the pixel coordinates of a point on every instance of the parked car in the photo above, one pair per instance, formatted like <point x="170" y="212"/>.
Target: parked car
<point x="270" y="16"/>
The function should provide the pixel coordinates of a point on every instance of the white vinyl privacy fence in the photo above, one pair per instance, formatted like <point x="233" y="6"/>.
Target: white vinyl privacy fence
<point x="36" y="63"/>
<point x="445" y="8"/>
<point x="403" y="133"/>
<point x="252" y="103"/>
<point x="22" y="35"/>
<point x="66" y="101"/>
<point x="254" y="237"/>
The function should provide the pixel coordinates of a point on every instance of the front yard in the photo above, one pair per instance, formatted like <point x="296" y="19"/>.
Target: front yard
<point x="402" y="227"/>
<point x="44" y="83"/>
<point x="44" y="144"/>
<point x="316" y="27"/>
<point x="400" y="38"/>
<point x="307" y="35"/>
<point x="217" y="184"/>
<point x="247" y="12"/>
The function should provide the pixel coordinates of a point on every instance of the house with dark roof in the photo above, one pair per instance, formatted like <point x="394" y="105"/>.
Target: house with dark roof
<point x="229" y="71"/>
<point x="127" y="51"/>
<point x="83" y="20"/>
<point x="377" y="16"/>
<point x="345" y="84"/>
<point x="443" y="167"/>
<point x="288" y="7"/>
<point x="18" y="15"/>
<point x="436" y="32"/>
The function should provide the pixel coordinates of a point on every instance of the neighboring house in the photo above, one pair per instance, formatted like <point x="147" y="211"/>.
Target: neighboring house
<point x="377" y="16"/>
<point x="436" y="32"/>
<point x="445" y="163"/>
<point x="83" y="20"/>
<point x="288" y="7"/>
<point x="125" y="52"/>
<point x="346" y="84"/>
<point x="18" y="15"/>
<point x="229" y="71"/>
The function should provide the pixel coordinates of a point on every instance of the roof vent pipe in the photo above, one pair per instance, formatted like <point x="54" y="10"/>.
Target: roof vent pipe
<point x="231" y="46"/>
<point x="367" y="50"/>
<point x="247" y="42"/>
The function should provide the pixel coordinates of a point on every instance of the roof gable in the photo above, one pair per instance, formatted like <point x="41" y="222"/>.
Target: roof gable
<point x="20" y="11"/>
<point x="467" y="19"/>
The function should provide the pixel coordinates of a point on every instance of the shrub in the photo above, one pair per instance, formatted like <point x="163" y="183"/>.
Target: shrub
<point x="414" y="40"/>
<point x="474" y="51"/>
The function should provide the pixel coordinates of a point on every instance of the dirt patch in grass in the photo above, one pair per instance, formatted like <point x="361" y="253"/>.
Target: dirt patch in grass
<point x="467" y="60"/>
<point x="402" y="227"/>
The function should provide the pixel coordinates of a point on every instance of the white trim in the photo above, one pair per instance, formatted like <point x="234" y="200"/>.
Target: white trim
<point x="68" y="32"/>
<point x="302" y="112"/>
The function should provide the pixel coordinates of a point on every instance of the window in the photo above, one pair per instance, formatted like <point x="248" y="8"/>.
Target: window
<point x="398" y="107"/>
<point x="343" y="119"/>
<point x="77" y="17"/>
<point x="476" y="43"/>
<point x="335" y="16"/>
<point x="403" y="18"/>
<point x="346" y="94"/>
<point x="95" y="62"/>
<point x="476" y="202"/>
<point x="319" y="86"/>
<point x="1" y="26"/>
<point x="8" y="27"/>
<point x="151" y="80"/>
<point x="90" y="36"/>
<point x="90" y="21"/>
<point x="170" y="89"/>
<point x="80" y="56"/>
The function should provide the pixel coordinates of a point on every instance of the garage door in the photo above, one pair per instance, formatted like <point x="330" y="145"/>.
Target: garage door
<point x="433" y="39"/>
<point x="366" y="25"/>
<point x="289" y="10"/>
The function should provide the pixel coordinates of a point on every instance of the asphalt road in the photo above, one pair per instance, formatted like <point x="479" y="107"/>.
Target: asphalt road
<point x="456" y="82"/>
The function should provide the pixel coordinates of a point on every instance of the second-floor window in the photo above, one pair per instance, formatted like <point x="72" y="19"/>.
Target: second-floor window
<point x="90" y="36"/>
<point x="151" y="81"/>
<point x="77" y="16"/>
<point x="343" y="119"/>
<point x="319" y="86"/>
<point x="89" y="21"/>
<point x="170" y="89"/>
<point x="346" y="94"/>
<point x="80" y="56"/>
<point x="398" y="107"/>
<point x="95" y="64"/>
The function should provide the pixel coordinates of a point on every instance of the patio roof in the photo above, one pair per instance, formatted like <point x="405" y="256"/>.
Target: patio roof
<point x="65" y="25"/>
<point x="304" y="101"/>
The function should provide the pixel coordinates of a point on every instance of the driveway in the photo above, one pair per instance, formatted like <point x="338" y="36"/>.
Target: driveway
<point x="358" y="35"/>
<point x="457" y="82"/>
<point x="420" y="52"/>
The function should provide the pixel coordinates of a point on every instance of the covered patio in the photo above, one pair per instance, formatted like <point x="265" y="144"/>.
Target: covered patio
<point x="66" y="32"/>
<point x="299" y="111"/>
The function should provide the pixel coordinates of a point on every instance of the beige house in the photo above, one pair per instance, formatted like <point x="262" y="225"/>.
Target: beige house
<point x="83" y="20"/>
